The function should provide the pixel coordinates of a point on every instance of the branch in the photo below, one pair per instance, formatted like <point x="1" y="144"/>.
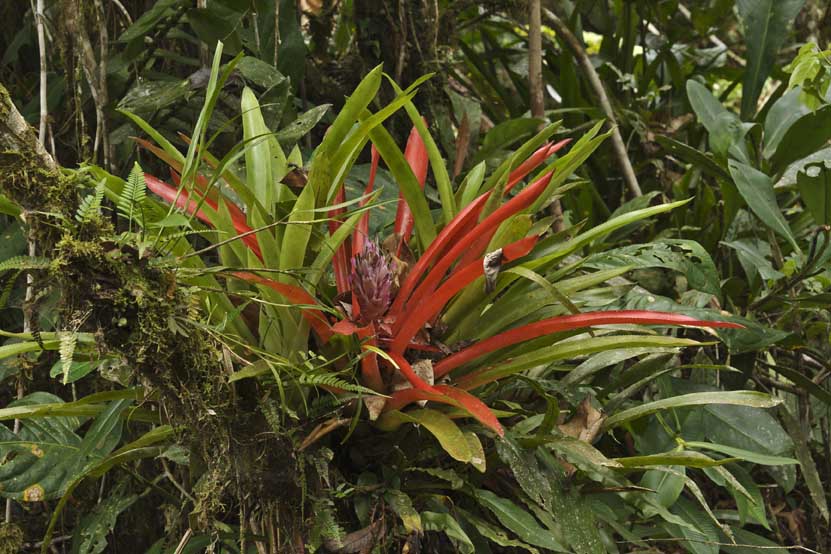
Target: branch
<point x="594" y="80"/>
<point x="16" y="135"/>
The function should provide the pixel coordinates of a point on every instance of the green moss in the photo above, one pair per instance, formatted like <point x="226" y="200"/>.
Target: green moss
<point x="11" y="538"/>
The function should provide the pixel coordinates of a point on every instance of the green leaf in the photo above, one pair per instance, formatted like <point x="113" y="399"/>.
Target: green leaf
<point x="725" y="128"/>
<point x="450" y="437"/>
<point x="8" y="207"/>
<point x="298" y="128"/>
<point x="686" y="257"/>
<point x="90" y="535"/>
<point x="526" y="470"/>
<point x="757" y="190"/>
<point x="674" y="458"/>
<point x="738" y="426"/>
<point x="518" y="521"/>
<point x="736" y="398"/>
<point x="259" y="166"/>
<point x="808" y="134"/>
<point x="494" y="533"/>
<point x="76" y="370"/>
<point x="749" y="543"/>
<point x="47" y="455"/>
<point x="445" y="523"/>
<point x="781" y="116"/>
<point x="814" y="183"/>
<point x="806" y="461"/>
<point x="703" y="539"/>
<point x="740" y="453"/>
<point x="765" y="24"/>
<point x="402" y="505"/>
<point x="691" y="155"/>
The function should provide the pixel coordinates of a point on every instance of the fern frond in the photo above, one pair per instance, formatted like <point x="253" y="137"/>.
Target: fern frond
<point x="326" y="528"/>
<point x="67" y="350"/>
<point x="330" y="380"/>
<point x="90" y="206"/>
<point x="8" y="287"/>
<point x="25" y="262"/>
<point x="131" y="200"/>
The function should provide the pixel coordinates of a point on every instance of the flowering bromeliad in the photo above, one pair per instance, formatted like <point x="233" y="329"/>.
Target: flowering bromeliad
<point x="392" y="306"/>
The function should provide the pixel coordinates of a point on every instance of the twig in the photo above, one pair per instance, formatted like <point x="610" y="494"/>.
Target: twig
<point x="124" y="11"/>
<point x="730" y="544"/>
<point x="618" y="146"/>
<point x="184" y="542"/>
<point x="176" y="483"/>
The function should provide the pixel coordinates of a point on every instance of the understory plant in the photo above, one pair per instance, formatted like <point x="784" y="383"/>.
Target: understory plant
<point x="456" y="377"/>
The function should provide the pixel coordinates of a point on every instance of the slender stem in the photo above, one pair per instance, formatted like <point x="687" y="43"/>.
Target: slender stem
<point x="618" y="145"/>
<point x="42" y="55"/>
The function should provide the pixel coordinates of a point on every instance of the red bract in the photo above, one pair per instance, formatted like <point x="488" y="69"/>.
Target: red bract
<point x="416" y="156"/>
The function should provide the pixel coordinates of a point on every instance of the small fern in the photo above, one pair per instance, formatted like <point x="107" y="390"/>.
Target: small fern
<point x="90" y="207"/>
<point x="8" y="287"/>
<point x="326" y="529"/>
<point x="130" y="202"/>
<point x="25" y="262"/>
<point x="67" y="351"/>
<point x="330" y="380"/>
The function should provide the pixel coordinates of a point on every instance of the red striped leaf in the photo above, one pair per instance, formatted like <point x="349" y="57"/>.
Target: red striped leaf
<point x="568" y="323"/>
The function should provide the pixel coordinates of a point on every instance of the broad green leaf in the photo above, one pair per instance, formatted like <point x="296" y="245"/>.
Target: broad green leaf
<point x="301" y="126"/>
<point x="448" y="434"/>
<point x="765" y="24"/>
<point x="494" y="533"/>
<point x="750" y="543"/>
<point x="781" y="116"/>
<point x="757" y="190"/>
<point x="752" y="254"/>
<point x="691" y="155"/>
<point x="808" y="134"/>
<point x="725" y="128"/>
<point x="814" y="183"/>
<point x="686" y="257"/>
<point x="445" y="523"/>
<point x="526" y="471"/>
<point x="258" y="153"/>
<point x="77" y="370"/>
<point x="744" y="427"/>
<point x="667" y="486"/>
<point x="518" y="521"/>
<point x="702" y="540"/>
<point x="8" y="207"/>
<point x="402" y="505"/>
<point x="547" y="253"/>
<point x="298" y="232"/>
<point x="736" y="398"/>
<point x="47" y="455"/>
<point x="90" y="535"/>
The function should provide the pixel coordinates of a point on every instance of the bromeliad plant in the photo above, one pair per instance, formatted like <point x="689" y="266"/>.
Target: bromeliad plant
<point x="400" y="305"/>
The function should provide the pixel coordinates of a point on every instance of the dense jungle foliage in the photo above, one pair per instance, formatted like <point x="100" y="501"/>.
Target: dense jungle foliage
<point x="417" y="276"/>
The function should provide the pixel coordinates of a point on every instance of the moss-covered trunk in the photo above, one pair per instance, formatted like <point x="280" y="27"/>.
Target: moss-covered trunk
<point x="240" y="468"/>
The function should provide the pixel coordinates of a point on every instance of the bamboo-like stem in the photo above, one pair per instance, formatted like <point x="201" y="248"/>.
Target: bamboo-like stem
<point x="579" y="52"/>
